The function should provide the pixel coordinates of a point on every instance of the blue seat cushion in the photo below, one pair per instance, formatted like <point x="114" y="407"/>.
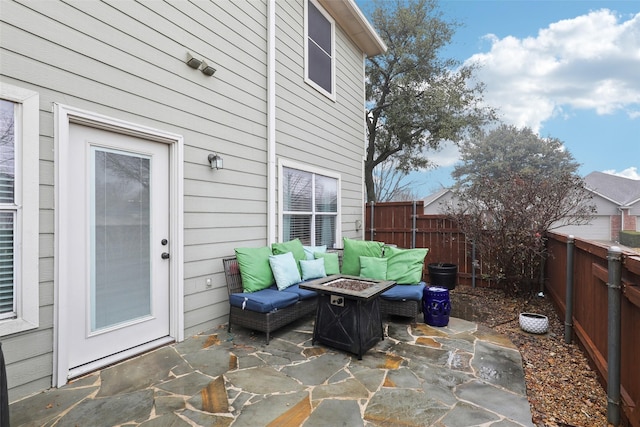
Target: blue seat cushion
<point x="303" y="294"/>
<point x="264" y="301"/>
<point x="404" y="292"/>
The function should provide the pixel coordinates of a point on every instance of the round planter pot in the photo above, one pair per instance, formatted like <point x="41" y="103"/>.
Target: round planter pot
<point x="443" y="275"/>
<point x="534" y="323"/>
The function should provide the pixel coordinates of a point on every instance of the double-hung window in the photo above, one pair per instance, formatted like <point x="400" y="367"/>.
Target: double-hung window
<point x="319" y="49"/>
<point x="310" y="206"/>
<point x="18" y="209"/>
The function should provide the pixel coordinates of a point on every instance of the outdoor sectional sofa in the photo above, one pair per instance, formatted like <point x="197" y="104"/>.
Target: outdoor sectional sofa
<point x="274" y="306"/>
<point x="268" y="309"/>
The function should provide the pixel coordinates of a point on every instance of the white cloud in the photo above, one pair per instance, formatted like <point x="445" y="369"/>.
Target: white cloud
<point x="588" y="62"/>
<point x="448" y="155"/>
<point x="631" y="173"/>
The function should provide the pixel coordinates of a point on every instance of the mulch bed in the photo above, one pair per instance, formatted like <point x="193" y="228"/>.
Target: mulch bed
<point x="562" y="388"/>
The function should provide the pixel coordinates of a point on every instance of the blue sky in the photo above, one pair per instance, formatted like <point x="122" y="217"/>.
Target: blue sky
<point x="568" y="69"/>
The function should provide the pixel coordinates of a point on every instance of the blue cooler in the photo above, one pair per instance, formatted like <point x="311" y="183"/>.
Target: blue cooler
<point x="436" y="306"/>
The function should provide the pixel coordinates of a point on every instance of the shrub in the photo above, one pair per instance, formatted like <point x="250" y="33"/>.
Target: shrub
<point x="630" y="238"/>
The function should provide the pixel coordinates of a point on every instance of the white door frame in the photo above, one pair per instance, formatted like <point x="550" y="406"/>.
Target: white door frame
<point x="64" y="115"/>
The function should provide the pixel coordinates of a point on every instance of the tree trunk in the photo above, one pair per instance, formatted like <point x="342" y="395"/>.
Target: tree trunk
<point x="369" y="184"/>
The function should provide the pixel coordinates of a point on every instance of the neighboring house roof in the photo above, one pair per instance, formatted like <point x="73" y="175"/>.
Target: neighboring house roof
<point x="620" y="190"/>
<point x="617" y="189"/>
<point x="432" y="198"/>
<point x="354" y="23"/>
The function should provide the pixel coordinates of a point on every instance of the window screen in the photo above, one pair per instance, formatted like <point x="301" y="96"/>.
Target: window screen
<point x="319" y="48"/>
<point x="310" y="207"/>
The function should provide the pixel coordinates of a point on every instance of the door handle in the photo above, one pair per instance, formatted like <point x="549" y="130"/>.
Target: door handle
<point x="165" y="255"/>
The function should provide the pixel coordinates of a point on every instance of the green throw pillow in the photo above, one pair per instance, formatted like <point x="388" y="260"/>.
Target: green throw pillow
<point x="354" y="249"/>
<point x="405" y="265"/>
<point x="331" y="262"/>
<point x="294" y="246"/>
<point x="373" y="268"/>
<point x="254" y="268"/>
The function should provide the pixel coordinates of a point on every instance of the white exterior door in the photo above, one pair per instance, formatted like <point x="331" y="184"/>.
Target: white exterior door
<point x="117" y="295"/>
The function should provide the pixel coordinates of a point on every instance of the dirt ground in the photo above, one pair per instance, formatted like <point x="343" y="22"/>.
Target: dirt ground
<point x="562" y="388"/>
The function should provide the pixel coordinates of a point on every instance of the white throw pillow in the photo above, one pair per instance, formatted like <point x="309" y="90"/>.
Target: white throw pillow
<point x="312" y="269"/>
<point x="285" y="270"/>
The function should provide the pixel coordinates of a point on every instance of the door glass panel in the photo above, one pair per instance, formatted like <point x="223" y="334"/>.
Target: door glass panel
<point x="7" y="208"/>
<point x="120" y="241"/>
<point x="7" y="273"/>
<point x="7" y="151"/>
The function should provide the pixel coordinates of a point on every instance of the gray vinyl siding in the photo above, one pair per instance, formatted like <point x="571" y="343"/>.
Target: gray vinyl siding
<point x="605" y="206"/>
<point x="598" y="229"/>
<point x="635" y="211"/>
<point x="437" y="206"/>
<point x="126" y="60"/>
<point x="312" y="129"/>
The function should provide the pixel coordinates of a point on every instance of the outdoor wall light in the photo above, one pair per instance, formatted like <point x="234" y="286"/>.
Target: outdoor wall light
<point x="215" y="161"/>
<point x="207" y="69"/>
<point x="193" y="62"/>
<point x="200" y="64"/>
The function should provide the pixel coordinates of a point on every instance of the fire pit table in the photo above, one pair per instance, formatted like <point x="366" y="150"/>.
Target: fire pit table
<point x="348" y="314"/>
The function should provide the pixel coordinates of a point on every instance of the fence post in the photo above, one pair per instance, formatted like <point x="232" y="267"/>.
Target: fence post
<point x="372" y="228"/>
<point x="614" y="257"/>
<point x="473" y="264"/>
<point x="413" y="226"/>
<point x="568" y="315"/>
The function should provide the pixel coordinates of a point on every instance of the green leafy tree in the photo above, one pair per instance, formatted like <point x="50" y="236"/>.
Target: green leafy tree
<point x="415" y="99"/>
<point x="512" y="187"/>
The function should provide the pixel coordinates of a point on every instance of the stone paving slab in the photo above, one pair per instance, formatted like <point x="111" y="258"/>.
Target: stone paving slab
<point x="453" y="376"/>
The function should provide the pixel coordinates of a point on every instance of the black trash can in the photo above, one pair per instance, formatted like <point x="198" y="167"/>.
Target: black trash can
<point x="436" y="306"/>
<point x="443" y="274"/>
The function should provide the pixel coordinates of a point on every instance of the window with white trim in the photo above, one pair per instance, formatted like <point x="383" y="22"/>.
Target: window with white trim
<point x="310" y="206"/>
<point x="19" y="129"/>
<point x="319" y="49"/>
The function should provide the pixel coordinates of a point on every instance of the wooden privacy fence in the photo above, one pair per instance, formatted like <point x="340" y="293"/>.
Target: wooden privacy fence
<point x="590" y="311"/>
<point x="403" y="224"/>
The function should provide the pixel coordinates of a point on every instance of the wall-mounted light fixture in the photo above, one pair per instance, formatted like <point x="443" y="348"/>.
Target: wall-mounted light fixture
<point x="207" y="69"/>
<point x="193" y="62"/>
<point x="215" y="161"/>
<point x="200" y="64"/>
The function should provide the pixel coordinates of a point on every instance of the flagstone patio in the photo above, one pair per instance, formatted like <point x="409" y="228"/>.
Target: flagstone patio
<point x="459" y="375"/>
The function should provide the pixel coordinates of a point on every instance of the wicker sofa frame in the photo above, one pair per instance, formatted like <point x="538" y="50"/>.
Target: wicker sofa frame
<point x="263" y="322"/>
<point x="408" y="308"/>
<point x="269" y="322"/>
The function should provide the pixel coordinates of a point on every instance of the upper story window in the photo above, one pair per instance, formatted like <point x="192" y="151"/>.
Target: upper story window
<point x="319" y="49"/>
<point x="310" y="205"/>
<point x="19" y="206"/>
